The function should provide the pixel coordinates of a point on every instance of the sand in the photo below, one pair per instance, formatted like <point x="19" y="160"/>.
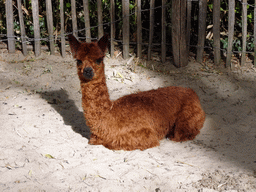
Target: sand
<point x="44" y="139"/>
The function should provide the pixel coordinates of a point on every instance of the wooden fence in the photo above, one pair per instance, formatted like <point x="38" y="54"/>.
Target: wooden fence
<point x="181" y="24"/>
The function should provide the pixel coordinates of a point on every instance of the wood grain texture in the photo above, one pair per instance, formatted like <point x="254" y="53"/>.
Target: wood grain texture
<point x="100" y="19"/>
<point x="163" y="39"/>
<point x="9" y="23"/>
<point x="126" y="29"/>
<point x="151" y="27"/>
<point x="201" y="29"/>
<point x="63" y="48"/>
<point x="139" y="30"/>
<point x="22" y="29"/>
<point x="231" y="25"/>
<point x="176" y="32"/>
<point x="87" y="21"/>
<point x="74" y="19"/>
<point x="216" y="31"/>
<point x="50" y="25"/>
<point x="183" y="33"/>
<point x="244" y="31"/>
<point x="35" y="13"/>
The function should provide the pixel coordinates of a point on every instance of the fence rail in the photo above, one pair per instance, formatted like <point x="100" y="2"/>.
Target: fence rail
<point x="181" y="28"/>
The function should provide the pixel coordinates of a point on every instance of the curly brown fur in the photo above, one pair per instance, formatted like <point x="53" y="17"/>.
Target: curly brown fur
<point x="136" y="121"/>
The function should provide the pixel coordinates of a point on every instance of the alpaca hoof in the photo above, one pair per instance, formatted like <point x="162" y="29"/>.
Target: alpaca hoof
<point x="94" y="140"/>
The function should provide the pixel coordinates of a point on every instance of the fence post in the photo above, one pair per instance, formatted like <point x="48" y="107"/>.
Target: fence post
<point x="201" y="29"/>
<point x="74" y="20"/>
<point x="126" y="28"/>
<point x="100" y="20"/>
<point x="112" y="27"/>
<point x="176" y="32"/>
<point x="189" y="7"/>
<point x="87" y="21"/>
<point x="35" y="12"/>
<point x="254" y="34"/>
<point x="216" y="31"/>
<point x="183" y="33"/>
<point x="179" y="39"/>
<point x="139" y="30"/>
<point x="63" y="41"/>
<point x="50" y="25"/>
<point x="22" y="29"/>
<point x="151" y="27"/>
<point x="163" y="41"/>
<point x="244" y="31"/>
<point x="231" y="24"/>
<point x="10" y="30"/>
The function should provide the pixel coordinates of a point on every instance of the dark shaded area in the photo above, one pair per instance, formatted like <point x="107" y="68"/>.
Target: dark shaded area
<point x="66" y="107"/>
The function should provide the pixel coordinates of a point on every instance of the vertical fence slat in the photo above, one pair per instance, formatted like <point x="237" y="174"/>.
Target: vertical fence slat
<point x="151" y="27"/>
<point x="179" y="32"/>
<point x="183" y="33"/>
<point x="35" y="12"/>
<point x="114" y="18"/>
<point x="112" y="27"/>
<point x="100" y="19"/>
<point x="189" y="7"/>
<point x="139" y="30"/>
<point x="87" y="21"/>
<point x="163" y="42"/>
<point x="74" y="19"/>
<point x="231" y="24"/>
<point x="244" y="31"/>
<point x="254" y="34"/>
<point x="9" y="22"/>
<point x="216" y="31"/>
<point x="176" y="32"/>
<point x="22" y="29"/>
<point x="63" y="48"/>
<point x="126" y="28"/>
<point x="50" y="25"/>
<point x="201" y="29"/>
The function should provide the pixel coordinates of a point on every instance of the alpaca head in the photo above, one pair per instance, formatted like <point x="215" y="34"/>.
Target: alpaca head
<point x="89" y="57"/>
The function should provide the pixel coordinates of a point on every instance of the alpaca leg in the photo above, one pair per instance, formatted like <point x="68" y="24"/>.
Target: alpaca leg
<point x="188" y="123"/>
<point x="94" y="140"/>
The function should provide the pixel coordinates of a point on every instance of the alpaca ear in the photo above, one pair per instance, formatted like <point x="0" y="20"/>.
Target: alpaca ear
<point x="103" y="43"/>
<point x="74" y="44"/>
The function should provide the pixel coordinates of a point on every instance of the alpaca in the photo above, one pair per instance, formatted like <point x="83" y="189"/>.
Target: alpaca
<point x="136" y="121"/>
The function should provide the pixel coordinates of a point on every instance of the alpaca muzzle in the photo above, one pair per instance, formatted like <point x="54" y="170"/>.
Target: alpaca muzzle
<point x="88" y="73"/>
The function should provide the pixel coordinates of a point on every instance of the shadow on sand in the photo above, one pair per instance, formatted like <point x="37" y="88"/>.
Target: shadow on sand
<point x="66" y="107"/>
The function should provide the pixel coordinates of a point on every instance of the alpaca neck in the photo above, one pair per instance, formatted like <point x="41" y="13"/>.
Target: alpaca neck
<point x="95" y="98"/>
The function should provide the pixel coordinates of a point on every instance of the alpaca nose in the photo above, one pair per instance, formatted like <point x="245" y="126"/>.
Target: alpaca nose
<point x="88" y="73"/>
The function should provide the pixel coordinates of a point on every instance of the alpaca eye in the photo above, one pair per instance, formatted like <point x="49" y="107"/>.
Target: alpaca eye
<point x="79" y="62"/>
<point x="98" y="61"/>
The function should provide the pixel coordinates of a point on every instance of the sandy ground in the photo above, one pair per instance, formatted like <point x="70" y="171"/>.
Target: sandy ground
<point x="44" y="139"/>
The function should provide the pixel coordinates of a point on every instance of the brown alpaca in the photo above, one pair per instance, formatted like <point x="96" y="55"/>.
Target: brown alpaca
<point x="136" y="121"/>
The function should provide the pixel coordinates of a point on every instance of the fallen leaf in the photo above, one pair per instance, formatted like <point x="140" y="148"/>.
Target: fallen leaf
<point x="49" y="156"/>
<point x="30" y="172"/>
<point x="120" y="75"/>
